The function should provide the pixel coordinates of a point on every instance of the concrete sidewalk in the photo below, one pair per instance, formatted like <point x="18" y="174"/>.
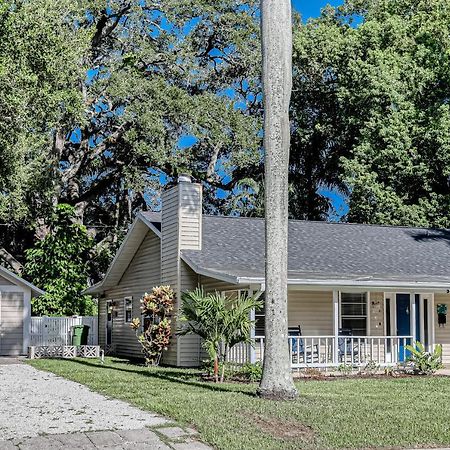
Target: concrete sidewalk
<point x="168" y="438"/>
<point x="40" y="410"/>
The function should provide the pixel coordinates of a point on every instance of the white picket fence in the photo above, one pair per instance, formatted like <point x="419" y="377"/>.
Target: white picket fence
<point x="58" y="330"/>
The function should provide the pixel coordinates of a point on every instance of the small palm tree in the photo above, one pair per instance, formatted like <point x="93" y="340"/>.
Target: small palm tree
<point x="220" y="321"/>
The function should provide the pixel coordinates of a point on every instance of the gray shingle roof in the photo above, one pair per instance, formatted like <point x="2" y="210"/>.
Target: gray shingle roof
<point x="321" y="250"/>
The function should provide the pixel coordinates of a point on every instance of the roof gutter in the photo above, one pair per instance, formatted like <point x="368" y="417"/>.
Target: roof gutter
<point x="381" y="285"/>
<point x="94" y="289"/>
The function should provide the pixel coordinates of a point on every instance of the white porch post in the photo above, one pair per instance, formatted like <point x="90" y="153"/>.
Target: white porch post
<point x="335" y="326"/>
<point x="422" y="320"/>
<point x="252" y="351"/>
<point x="252" y="336"/>
<point x="413" y="317"/>
<point x="431" y="322"/>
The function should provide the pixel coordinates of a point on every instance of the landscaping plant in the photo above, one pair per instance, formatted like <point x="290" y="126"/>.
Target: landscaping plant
<point x="423" y="362"/>
<point x="371" y="368"/>
<point x="57" y="264"/>
<point x="154" y="336"/>
<point x="221" y="322"/>
<point x="345" y="369"/>
<point x="251" y="372"/>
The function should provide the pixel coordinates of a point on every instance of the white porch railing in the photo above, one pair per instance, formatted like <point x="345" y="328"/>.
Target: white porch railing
<point x="329" y="351"/>
<point x="45" y="331"/>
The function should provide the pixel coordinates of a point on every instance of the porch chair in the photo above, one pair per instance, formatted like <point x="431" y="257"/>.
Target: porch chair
<point x="298" y="346"/>
<point x="345" y="346"/>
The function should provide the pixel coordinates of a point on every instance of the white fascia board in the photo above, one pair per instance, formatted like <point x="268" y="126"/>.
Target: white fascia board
<point x="13" y="278"/>
<point x="357" y="284"/>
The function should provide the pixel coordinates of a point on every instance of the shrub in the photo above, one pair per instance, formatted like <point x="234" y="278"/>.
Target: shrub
<point x="155" y="337"/>
<point x="423" y="362"/>
<point x="371" y="368"/>
<point x="251" y="372"/>
<point x="228" y="370"/>
<point x="313" y="372"/>
<point x="346" y="369"/>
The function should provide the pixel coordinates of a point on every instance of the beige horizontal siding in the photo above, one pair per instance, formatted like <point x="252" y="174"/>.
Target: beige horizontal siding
<point x="11" y="323"/>
<point x="5" y="282"/>
<point x="442" y="334"/>
<point x="312" y="310"/>
<point x="169" y="259"/>
<point x="376" y="314"/>
<point x="102" y="322"/>
<point x="143" y="273"/>
<point x="189" y="346"/>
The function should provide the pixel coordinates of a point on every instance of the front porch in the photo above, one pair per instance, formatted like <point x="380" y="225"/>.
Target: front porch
<point x="328" y="329"/>
<point x="331" y="351"/>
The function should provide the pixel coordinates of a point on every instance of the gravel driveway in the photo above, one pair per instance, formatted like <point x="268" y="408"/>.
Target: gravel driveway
<point x="35" y="403"/>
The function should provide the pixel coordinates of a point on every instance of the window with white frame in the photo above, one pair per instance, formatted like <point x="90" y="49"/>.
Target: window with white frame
<point x="354" y="313"/>
<point x="260" y="319"/>
<point x="128" y="309"/>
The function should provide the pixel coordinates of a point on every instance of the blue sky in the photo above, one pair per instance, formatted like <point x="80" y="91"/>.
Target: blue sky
<point x="311" y="8"/>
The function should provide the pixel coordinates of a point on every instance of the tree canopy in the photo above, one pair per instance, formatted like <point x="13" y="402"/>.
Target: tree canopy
<point x="39" y="88"/>
<point x="371" y="110"/>
<point x="61" y="264"/>
<point x="104" y="101"/>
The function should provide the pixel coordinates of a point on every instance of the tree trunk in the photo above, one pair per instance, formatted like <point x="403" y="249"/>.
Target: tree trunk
<point x="216" y="369"/>
<point x="224" y="361"/>
<point x="276" y="27"/>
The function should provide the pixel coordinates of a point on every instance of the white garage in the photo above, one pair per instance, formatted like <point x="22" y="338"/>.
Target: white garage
<point x="15" y="313"/>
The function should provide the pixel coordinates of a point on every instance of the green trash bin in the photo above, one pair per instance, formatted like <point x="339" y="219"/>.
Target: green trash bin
<point x="80" y="335"/>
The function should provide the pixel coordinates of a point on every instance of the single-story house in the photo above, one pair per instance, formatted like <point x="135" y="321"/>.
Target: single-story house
<point x="357" y="293"/>
<point x="15" y="313"/>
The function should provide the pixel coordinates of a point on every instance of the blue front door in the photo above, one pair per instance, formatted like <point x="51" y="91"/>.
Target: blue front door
<point x="403" y="322"/>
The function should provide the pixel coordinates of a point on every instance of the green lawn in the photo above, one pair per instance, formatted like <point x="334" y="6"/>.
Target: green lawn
<point x="357" y="413"/>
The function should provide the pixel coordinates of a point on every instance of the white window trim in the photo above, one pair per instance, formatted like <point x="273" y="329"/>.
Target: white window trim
<point x="388" y="295"/>
<point x="367" y="315"/>
<point x="108" y="304"/>
<point x="125" y="300"/>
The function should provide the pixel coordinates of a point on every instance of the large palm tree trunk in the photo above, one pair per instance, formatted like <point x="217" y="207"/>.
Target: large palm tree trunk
<point x="276" y="28"/>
